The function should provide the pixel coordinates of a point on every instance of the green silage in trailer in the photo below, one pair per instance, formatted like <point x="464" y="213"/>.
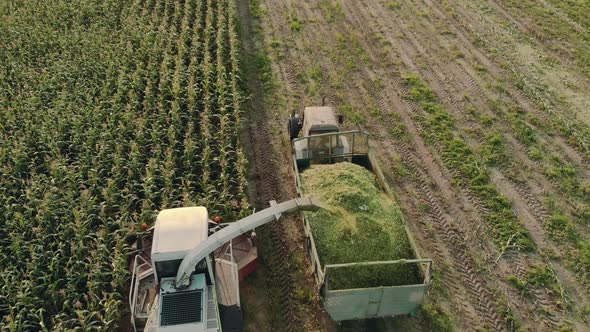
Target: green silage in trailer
<point x="361" y="224"/>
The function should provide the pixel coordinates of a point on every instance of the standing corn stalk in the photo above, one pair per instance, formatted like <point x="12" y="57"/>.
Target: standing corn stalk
<point x="110" y="111"/>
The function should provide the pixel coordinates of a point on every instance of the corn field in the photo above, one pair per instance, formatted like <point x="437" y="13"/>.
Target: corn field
<point x="110" y="110"/>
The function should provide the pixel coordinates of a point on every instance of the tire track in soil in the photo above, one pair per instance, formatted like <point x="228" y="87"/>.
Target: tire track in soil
<point x="480" y="293"/>
<point x="559" y="50"/>
<point x="521" y="262"/>
<point x="367" y="93"/>
<point x="436" y="217"/>
<point x="331" y="98"/>
<point x="564" y="17"/>
<point x="409" y="159"/>
<point x="537" y="215"/>
<point x="286" y="71"/>
<point x="478" y="91"/>
<point x="474" y="82"/>
<point x="268" y="185"/>
<point x="454" y="240"/>
<point x="293" y="86"/>
<point x="477" y="290"/>
<point x="521" y="194"/>
<point x="286" y="64"/>
<point x="424" y="188"/>
<point x="470" y="195"/>
<point x="530" y="208"/>
<point x="525" y="28"/>
<point x="555" y="142"/>
<point x="323" y="32"/>
<point x="470" y="22"/>
<point x="461" y="73"/>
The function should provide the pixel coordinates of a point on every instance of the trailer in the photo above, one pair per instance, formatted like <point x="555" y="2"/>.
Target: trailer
<point x="322" y="142"/>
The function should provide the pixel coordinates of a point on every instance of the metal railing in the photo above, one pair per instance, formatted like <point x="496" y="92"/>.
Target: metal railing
<point x="345" y="144"/>
<point x="135" y="287"/>
<point x="313" y="253"/>
<point x="364" y="301"/>
<point x="426" y="274"/>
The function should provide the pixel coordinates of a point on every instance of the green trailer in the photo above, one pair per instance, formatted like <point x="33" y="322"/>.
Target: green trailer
<point x="320" y="145"/>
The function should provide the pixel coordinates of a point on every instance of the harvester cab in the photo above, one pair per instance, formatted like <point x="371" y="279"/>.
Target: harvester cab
<point x="189" y="281"/>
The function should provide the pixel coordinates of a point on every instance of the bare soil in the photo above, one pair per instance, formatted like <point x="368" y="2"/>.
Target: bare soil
<point x="355" y="54"/>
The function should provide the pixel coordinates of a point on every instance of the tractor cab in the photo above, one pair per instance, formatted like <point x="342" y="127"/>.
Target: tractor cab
<point x="319" y="120"/>
<point x="315" y="121"/>
<point x="317" y="138"/>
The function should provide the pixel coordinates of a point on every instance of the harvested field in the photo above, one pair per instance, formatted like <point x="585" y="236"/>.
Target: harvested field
<point x="478" y="112"/>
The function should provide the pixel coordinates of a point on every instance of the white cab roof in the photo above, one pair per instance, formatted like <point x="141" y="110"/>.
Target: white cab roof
<point x="320" y="116"/>
<point x="177" y="231"/>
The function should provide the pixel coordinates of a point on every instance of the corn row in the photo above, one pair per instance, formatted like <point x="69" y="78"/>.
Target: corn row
<point x="114" y="110"/>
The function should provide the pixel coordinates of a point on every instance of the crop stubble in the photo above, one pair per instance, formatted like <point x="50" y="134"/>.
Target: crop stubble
<point x="468" y="80"/>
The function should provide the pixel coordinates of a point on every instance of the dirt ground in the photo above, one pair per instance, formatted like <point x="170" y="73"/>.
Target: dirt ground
<point x="502" y="78"/>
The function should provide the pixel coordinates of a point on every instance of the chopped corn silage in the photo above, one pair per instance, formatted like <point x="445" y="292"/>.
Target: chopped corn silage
<point x="361" y="224"/>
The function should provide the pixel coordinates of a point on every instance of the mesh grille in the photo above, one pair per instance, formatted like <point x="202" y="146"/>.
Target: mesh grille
<point x="181" y="308"/>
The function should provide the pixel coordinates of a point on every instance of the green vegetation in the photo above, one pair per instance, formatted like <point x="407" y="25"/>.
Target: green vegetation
<point x="258" y="65"/>
<point x="562" y="173"/>
<point x="436" y="318"/>
<point x="111" y="111"/>
<point x="543" y="276"/>
<point x="561" y="229"/>
<point x="333" y="10"/>
<point x="540" y="277"/>
<point x="494" y="150"/>
<point x="295" y="23"/>
<point x="517" y="283"/>
<point x="512" y="321"/>
<point x="393" y="5"/>
<point x="549" y="26"/>
<point x="576" y="10"/>
<point x="352" y="114"/>
<point x="468" y="168"/>
<point x="363" y="224"/>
